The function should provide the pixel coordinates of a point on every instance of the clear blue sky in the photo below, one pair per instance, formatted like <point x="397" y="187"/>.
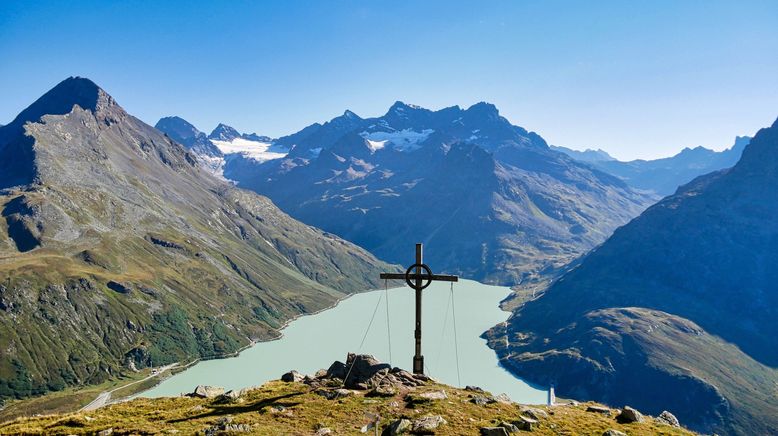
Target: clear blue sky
<point x="638" y="79"/>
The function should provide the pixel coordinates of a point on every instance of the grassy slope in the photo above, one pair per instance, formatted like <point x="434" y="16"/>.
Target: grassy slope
<point x="306" y="411"/>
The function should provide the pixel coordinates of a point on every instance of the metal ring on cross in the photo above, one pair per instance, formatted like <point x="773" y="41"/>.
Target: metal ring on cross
<point x="427" y="277"/>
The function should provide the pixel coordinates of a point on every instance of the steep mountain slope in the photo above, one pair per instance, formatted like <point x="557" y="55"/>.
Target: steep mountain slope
<point x="664" y="176"/>
<point x="117" y="250"/>
<point x="186" y="134"/>
<point x="677" y="309"/>
<point x="489" y="199"/>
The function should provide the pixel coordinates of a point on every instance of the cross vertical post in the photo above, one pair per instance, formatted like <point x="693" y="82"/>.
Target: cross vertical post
<point x="418" y="276"/>
<point x="418" y="359"/>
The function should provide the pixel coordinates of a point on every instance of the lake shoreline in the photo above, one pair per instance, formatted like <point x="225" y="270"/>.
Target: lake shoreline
<point x="252" y="343"/>
<point x="347" y="326"/>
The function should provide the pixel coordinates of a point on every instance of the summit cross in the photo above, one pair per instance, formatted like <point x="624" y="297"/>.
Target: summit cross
<point x="418" y="280"/>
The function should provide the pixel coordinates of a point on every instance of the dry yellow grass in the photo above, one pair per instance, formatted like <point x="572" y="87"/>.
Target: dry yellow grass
<point x="293" y="409"/>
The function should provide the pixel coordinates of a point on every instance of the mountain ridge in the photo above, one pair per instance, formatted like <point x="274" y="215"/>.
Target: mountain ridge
<point x="682" y="298"/>
<point x="531" y="208"/>
<point x="664" y="175"/>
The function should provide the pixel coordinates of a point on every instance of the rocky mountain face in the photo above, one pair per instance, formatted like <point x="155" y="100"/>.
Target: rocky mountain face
<point x="676" y="310"/>
<point x="489" y="199"/>
<point x="118" y="251"/>
<point x="186" y="134"/>
<point x="664" y="176"/>
<point x="223" y="132"/>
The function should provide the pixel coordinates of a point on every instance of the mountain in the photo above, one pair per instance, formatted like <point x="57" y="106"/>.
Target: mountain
<point x="186" y="134"/>
<point x="587" y="155"/>
<point x="214" y="153"/>
<point x="223" y="132"/>
<point x="118" y="251"/>
<point x="489" y="199"/>
<point x="676" y="310"/>
<point x="664" y="176"/>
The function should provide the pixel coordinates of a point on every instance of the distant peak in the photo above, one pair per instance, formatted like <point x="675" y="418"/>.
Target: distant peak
<point x="400" y="105"/>
<point x="60" y="100"/>
<point x="177" y="128"/>
<point x="484" y="107"/>
<point x="349" y="114"/>
<point x="174" y="121"/>
<point x="223" y="132"/>
<point x="400" y="108"/>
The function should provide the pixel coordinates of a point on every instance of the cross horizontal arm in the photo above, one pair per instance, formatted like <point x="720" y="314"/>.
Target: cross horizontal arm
<point x="434" y="277"/>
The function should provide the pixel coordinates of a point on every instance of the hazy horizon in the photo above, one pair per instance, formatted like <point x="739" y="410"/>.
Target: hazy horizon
<point x="638" y="81"/>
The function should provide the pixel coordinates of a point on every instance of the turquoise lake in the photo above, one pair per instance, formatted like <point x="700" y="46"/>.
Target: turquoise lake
<point x="315" y="341"/>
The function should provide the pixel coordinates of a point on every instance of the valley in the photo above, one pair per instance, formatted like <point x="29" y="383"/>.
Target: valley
<point x="136" y="238"/>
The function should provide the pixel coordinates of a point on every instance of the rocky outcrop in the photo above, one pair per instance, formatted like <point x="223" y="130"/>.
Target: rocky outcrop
<point x="362" y="372"/>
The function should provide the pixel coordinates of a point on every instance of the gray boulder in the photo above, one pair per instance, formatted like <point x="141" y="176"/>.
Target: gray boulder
<point x="526" y="424"/>
<point x="481" y="400"/>
<point x="338" y="369"/>
<point x="397" y="427"/>
<point x="612" y="432"/>
<point x="502" y="398"/>
<point x="292" y="377"/>
<point x="668" y="418"/>
<point x="204" y="391"/>
<point x="535" y="413"/>
<point x="629" y="415"/>
<point x="510" y="428"/>
<point x="434" y="395"/>
<point x="599" y="409"/>
<point x="427" y="424"/>
<point x="361" y="368"/>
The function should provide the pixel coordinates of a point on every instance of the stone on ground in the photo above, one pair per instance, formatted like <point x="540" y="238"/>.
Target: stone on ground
<point x="599" y="409"/>
<point x="427" y="424"/>
<point x="397" y="427"/>
<point x="526" y="424"/>
<point x="629" y="415"/>
<point x="535" y="413"/>
<point x="292" y="376"/>
<point x="668" y="418"/>
<point x="204" y="391"/>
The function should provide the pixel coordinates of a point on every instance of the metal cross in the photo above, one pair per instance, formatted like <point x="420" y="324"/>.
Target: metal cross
<point x="418" y="281"/>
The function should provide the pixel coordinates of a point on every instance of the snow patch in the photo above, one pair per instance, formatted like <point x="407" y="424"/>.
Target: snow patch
<point x="256" y="150"/>
<point x="214" y="165"/>
<point x="376" y="145"/>
<point x="402" y="140"/>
